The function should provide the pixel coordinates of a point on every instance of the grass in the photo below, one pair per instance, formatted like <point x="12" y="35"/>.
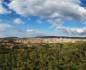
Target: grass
<point x="59" y="56"/>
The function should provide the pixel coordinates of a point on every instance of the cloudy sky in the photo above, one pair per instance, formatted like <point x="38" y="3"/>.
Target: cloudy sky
<point x="29" y="18"/>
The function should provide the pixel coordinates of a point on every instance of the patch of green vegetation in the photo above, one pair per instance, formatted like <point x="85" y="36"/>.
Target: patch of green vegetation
<point x="59" y="56"/>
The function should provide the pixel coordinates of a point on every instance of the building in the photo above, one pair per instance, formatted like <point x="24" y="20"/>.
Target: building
<point x="40" y="40"/>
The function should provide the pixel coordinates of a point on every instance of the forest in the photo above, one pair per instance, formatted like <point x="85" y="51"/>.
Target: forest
<point x="50" y="56"/>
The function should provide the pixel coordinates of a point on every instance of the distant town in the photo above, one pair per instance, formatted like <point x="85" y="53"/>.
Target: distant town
<point x="42" y="39"/>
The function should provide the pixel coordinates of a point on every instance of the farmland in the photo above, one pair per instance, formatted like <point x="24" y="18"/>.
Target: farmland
<point x="44" y="56"/>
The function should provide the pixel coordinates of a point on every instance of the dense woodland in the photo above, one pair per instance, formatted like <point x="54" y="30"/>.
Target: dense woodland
<point x="60" y="56"/>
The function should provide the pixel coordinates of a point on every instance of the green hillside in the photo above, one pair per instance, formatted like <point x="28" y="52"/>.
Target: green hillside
<point x="60" y="56"/>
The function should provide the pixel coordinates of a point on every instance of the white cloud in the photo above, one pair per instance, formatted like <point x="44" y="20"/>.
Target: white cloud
<point x="18" y="21"/>
<point x="1" y="1"/>
<point x="50" y="9"/>
<point x="33" y="32"/>
<point x="74" y="31"/>
<point x="30" y="30"/>
<point x="4" y="27"/>
<point x="7" y="30"/>
<point x="3" y="10"/>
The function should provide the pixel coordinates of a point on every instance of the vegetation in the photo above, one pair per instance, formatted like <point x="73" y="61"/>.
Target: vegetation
<point x="60" y="56"/>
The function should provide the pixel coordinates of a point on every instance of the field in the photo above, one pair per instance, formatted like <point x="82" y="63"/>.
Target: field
<point x="58" y="56"/>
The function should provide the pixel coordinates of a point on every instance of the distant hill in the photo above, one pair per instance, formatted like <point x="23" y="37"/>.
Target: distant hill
<point x="45" y="37"/>
<point x="60" y="37"/>
<point x="11" y="37"/>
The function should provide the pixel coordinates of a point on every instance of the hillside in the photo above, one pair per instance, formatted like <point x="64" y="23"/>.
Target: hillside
<point x="59" y="56"/>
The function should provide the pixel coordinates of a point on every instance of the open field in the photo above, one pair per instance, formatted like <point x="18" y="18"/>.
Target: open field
<point x="45" y="56"/>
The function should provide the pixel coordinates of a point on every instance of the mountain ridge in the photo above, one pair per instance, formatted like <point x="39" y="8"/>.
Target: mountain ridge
<point x="60" y="37"/>
<point x="45" y="37"/>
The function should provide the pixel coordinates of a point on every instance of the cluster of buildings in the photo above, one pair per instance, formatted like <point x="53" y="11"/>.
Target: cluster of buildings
<point x="47" y="40"/>
<point x="40" y="40"/>
<point x="12" y="42"/>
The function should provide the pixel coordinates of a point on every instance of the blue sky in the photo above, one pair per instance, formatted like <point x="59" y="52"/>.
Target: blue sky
<point x="29" y="18"/>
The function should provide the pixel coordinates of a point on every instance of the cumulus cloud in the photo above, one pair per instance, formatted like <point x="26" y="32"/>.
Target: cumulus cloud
<point x="50" y="9"/>
<point x="18" y="21"/>
<point x="1" y="1"/>
<point x="7" y="30"/>
<point x="33" y="32"/>
<point x="4" y="27"/>
<point x="30" y="30"/>
<point x="74" y="31"/>
<point x="3" y="10"/>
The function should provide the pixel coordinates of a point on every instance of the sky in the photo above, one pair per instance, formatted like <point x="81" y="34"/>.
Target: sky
<point x="31" y="18"/>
